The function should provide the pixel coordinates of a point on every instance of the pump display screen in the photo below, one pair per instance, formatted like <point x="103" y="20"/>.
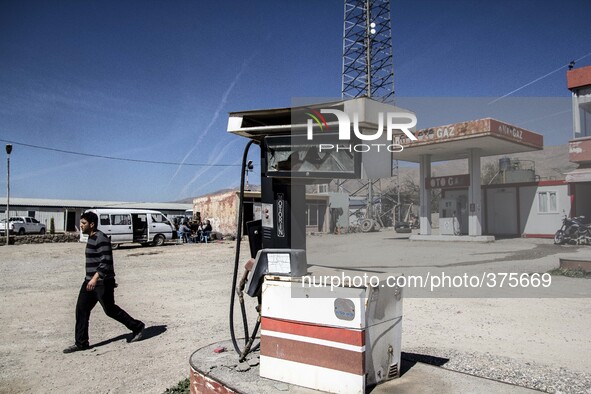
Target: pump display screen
<point x="279" y="263"/>
<point x="325" y="157"/>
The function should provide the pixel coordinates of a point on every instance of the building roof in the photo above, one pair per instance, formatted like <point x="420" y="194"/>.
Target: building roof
<point x="41" y="202"/>
<point x="578" y="77"/>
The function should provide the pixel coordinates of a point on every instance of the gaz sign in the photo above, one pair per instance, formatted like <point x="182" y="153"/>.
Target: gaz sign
<point x="446" y="182"/>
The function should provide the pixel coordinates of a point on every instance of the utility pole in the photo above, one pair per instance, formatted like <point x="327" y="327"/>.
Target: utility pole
<point x="8" y="151"/>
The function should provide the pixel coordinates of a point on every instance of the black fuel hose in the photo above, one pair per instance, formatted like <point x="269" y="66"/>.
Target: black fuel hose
<point x="237" y="261"/>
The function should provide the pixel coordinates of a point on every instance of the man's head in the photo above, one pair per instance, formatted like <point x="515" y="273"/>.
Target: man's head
<point x="88" y="222"/>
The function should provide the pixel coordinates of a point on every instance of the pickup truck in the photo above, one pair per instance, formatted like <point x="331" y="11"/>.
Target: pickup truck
<point x="22" y="225"/>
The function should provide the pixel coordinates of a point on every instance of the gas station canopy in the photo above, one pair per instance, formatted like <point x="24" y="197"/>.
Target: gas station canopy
<point x="489" y="136"/>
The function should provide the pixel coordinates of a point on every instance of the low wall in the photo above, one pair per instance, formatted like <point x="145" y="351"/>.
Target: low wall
<point x="40" y="239"/>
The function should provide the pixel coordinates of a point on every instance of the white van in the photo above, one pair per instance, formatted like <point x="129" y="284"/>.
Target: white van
<point x="133" y="226"/>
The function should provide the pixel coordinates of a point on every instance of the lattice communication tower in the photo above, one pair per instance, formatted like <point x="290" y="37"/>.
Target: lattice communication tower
<point x="368" y="69"/>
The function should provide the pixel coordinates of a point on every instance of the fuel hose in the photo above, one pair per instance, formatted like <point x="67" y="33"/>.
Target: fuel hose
<point x="247" y="338"/>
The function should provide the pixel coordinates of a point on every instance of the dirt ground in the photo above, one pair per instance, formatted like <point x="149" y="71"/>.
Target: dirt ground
<point x="182" y="293"/>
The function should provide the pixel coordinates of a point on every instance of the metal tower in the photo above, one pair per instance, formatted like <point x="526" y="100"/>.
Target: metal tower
<point x="367" y="50"/>
<point x="368" y="70"/>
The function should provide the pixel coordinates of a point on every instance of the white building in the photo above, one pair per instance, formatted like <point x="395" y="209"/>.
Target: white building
<point x="66" y="213"/>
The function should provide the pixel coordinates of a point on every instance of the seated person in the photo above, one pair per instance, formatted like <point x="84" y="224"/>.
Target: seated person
<point x="204" y="231"/>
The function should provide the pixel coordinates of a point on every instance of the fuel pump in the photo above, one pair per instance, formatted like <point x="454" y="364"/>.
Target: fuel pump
<point x="453" y="214"/>
<point x="321" y="337"/>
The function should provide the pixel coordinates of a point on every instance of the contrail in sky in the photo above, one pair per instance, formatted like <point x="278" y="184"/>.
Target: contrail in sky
<point x="219" y="155"/>
<point x="216" y="177"/>
<point x="216" y="114"/>
<point x="568" y="111"/>
<point x="537" y="79"/>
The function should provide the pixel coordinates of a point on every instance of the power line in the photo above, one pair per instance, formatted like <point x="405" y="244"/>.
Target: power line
<point x="119" y="158"/>
<point x="540" y="78"/>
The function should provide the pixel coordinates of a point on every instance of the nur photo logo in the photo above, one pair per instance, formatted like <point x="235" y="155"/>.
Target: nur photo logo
<point x="318" y="118"/>
<point x="391" y="122"/>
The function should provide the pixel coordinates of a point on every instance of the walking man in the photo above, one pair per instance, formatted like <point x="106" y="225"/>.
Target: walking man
<point x="99" y="286"/>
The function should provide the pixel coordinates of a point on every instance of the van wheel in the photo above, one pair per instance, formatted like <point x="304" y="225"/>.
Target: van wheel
<point x="42" y="231"/>
<point x="158" y="240"/>
<point x="21" y="231"/>
<point x="115" y="246"/>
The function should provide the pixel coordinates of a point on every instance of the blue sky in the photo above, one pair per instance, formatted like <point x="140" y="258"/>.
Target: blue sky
<point x="154" y="80"/>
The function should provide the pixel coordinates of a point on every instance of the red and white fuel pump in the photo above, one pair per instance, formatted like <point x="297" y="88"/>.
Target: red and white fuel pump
<point x="333" y="338"/>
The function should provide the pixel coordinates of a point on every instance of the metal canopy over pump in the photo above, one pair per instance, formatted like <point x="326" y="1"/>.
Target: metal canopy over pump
<point x="282" y="127"/>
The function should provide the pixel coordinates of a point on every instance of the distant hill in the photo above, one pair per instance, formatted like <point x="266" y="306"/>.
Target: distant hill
<point x="551" y="163"/>
<point x="189" y="200"/>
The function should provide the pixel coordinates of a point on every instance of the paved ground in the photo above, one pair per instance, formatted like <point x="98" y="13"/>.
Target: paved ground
<point x="182" y="293"/>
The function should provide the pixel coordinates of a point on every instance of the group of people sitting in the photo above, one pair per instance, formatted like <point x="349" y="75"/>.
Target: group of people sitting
<point x="194" y="231"/>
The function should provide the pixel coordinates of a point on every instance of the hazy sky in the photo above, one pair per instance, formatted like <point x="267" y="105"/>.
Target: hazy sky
<point x="154" y="80"/>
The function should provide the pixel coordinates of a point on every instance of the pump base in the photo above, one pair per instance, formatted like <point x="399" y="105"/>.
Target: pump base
<point x="219" y="373"/>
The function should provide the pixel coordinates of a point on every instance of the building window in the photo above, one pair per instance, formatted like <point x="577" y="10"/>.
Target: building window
<point x="586" y="121"/>
<point x="582" y="112"/>
<point x="547" y="202"/>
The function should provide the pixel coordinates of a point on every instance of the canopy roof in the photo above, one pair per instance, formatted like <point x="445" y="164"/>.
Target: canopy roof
<point x="450" y="142"/>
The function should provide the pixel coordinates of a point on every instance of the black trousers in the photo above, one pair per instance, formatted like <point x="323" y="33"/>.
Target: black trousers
<point x="104" y="294"/>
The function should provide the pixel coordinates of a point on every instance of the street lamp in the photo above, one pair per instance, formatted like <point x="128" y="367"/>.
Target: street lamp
<point x="8" y="151"/>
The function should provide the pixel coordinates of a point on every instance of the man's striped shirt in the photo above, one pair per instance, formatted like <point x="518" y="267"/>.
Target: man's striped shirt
<point x="99" y="256"/>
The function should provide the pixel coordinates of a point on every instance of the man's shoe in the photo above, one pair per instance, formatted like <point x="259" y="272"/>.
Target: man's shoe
<point x="75" y="348"/>
<point x="138" y="334"/>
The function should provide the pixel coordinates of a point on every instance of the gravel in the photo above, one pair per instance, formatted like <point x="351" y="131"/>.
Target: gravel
<point x="537" y="376"/>
<point x="182" y="291"/>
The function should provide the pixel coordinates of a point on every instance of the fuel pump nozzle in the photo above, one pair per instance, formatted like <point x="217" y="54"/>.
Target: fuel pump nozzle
<point x="247" y="268"/>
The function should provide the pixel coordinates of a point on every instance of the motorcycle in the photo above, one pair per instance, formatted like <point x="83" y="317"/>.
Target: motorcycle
<point x="573" y="231"/>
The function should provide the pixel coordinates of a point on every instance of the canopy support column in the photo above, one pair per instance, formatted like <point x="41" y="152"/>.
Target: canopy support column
<point x="474" y="194"/>
<point x="425" y="195"/>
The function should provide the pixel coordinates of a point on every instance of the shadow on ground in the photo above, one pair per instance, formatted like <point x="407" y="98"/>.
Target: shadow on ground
<point x="149" y="332"/>
<point x="410" y="359"/>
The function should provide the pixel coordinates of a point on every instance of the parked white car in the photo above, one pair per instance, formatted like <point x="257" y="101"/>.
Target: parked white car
<point x="22" y="225"/>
